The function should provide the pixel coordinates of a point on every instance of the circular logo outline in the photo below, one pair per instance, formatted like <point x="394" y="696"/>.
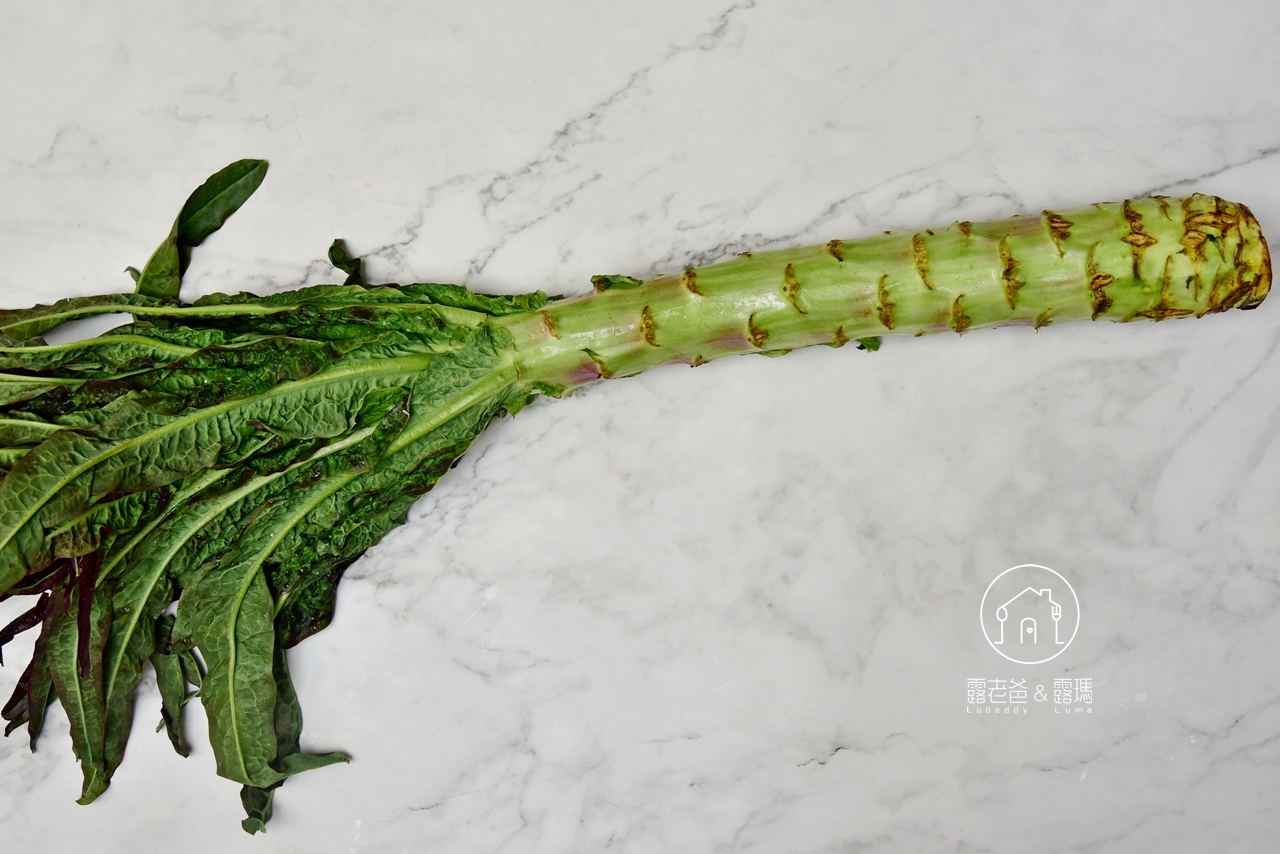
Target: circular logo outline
<point x="983" y="622"/>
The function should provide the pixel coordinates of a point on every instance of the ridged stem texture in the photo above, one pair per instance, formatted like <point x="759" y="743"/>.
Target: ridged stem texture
<point x="1145" y="259"/>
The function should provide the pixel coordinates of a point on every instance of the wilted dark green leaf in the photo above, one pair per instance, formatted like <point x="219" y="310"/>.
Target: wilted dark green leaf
<point x="81" y="693"/>
<point x="172" y="685"/>
<point x="340" y="258"/>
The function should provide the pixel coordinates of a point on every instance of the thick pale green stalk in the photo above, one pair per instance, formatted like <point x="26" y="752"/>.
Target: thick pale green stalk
<point x="1151" y="259"/>
<point x="238" y="453"/>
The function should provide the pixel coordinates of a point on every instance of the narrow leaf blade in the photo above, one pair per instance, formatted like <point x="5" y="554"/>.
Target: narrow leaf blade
<point x="172" y="685"/>
<point x="81" y="697"/>
<point x="204" y="213"/>
<point x="217" y="199"/>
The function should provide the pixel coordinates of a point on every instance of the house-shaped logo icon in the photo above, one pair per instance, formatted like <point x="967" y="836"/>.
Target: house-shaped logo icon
<point x="1030" y="614"/>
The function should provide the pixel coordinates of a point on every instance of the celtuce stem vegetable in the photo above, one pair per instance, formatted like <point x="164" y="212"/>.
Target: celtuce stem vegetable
<point x="236" y="454"/>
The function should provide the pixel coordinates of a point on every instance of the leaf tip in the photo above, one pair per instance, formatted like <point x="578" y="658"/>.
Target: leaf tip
<point x="253" y="825"/>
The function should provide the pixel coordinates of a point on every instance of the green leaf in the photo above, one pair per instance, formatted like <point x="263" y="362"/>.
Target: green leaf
<point x="30" y="696"/>
<point x="307" y="567"/>
<point x="142" y="590"/>
<point x="340" y="258"/>
<point x="257" y="805"/>
<point x="134" y="450"/>
<point x="24" y="429"/>
<point x="330" y="409"/>
<point x="85" y="533"/>
<point x="456" y="296"/>
<point x="119" y="557"/>
<point x="40" y="691"/>
<point x="29" y="323"/>
<point x="120" y="352"/>
<point x="81" y="695"/>
<point x="229" y="609"/>
<point x="217" y="199"/>
<point x="219" y="373"/>
<point x="9" y="456"/>
<point x="204" y="213"/>
<point x="201" y="526"/>
<point x="231" y="624"/>
<point x="289" y="758"/>
<point x="191" y="669"/>
<point x="15" y="388"/>
<point x="172" y="685"/>
<point x="138" y="598"/>
<point x="226" y="606"/>
<point x="15" y="709"/>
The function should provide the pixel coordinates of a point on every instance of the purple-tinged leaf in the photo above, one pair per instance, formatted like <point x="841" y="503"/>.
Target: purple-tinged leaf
<point x="87" y="571"/>
<point x="27" y="620"/>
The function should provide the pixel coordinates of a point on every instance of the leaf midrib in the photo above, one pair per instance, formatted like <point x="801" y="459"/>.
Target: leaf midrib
<point x="104" y="339"/>
<point x="256" y="567"/>
<point x="80" y="703"/>
<point x="214" y="508"/>
<point x="459" y="316"/>
<point x="369" y="366"/>
<point x="488" y="386"/>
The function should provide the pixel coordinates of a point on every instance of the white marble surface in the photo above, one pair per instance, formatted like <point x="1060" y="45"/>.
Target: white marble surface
<point x="730" y="609"/>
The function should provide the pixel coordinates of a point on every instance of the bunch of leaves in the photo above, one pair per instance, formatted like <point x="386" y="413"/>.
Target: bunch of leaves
<point x="187" y="490"/>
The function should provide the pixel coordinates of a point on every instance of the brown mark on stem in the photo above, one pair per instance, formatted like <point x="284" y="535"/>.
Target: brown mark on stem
<point x="1098" y="286"/>
<point x="1059" y="229"/>
<point x="1195" y="233"/>
<point x="1008" y="273"/>
<point x="841" y="339"/>
<point x="1241" y="284"/>
<point x="1192" y="241"/>
<point x="1042" y="319"/>
<point x="1237" y="295"/>
<point x="605" y="373"/>
<point x="1238" y="255"/>
<point x="549" y="323"/>
<point x="689" y="278"/>
<point x="1212" y="306"/>
<point x="884" y="305"/>
<point x="1163" y="201"/>
<point x="1252" y="275"/>
<point x="1137" y="238"/>
<point x="964" y="227"/>
<point x="959" y="320"/>
<point x="791" y="288"/>
<point x="836" y="248"/>
<point x="921" y="256"/>
<point x="755" y="334"/>
<point x="698" y="361"/>
<point x="648" y="328"/>
<point x="1162" y="310"/>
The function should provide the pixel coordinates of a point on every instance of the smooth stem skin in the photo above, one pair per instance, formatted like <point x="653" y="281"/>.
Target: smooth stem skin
<point x="1153" y="258"/>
